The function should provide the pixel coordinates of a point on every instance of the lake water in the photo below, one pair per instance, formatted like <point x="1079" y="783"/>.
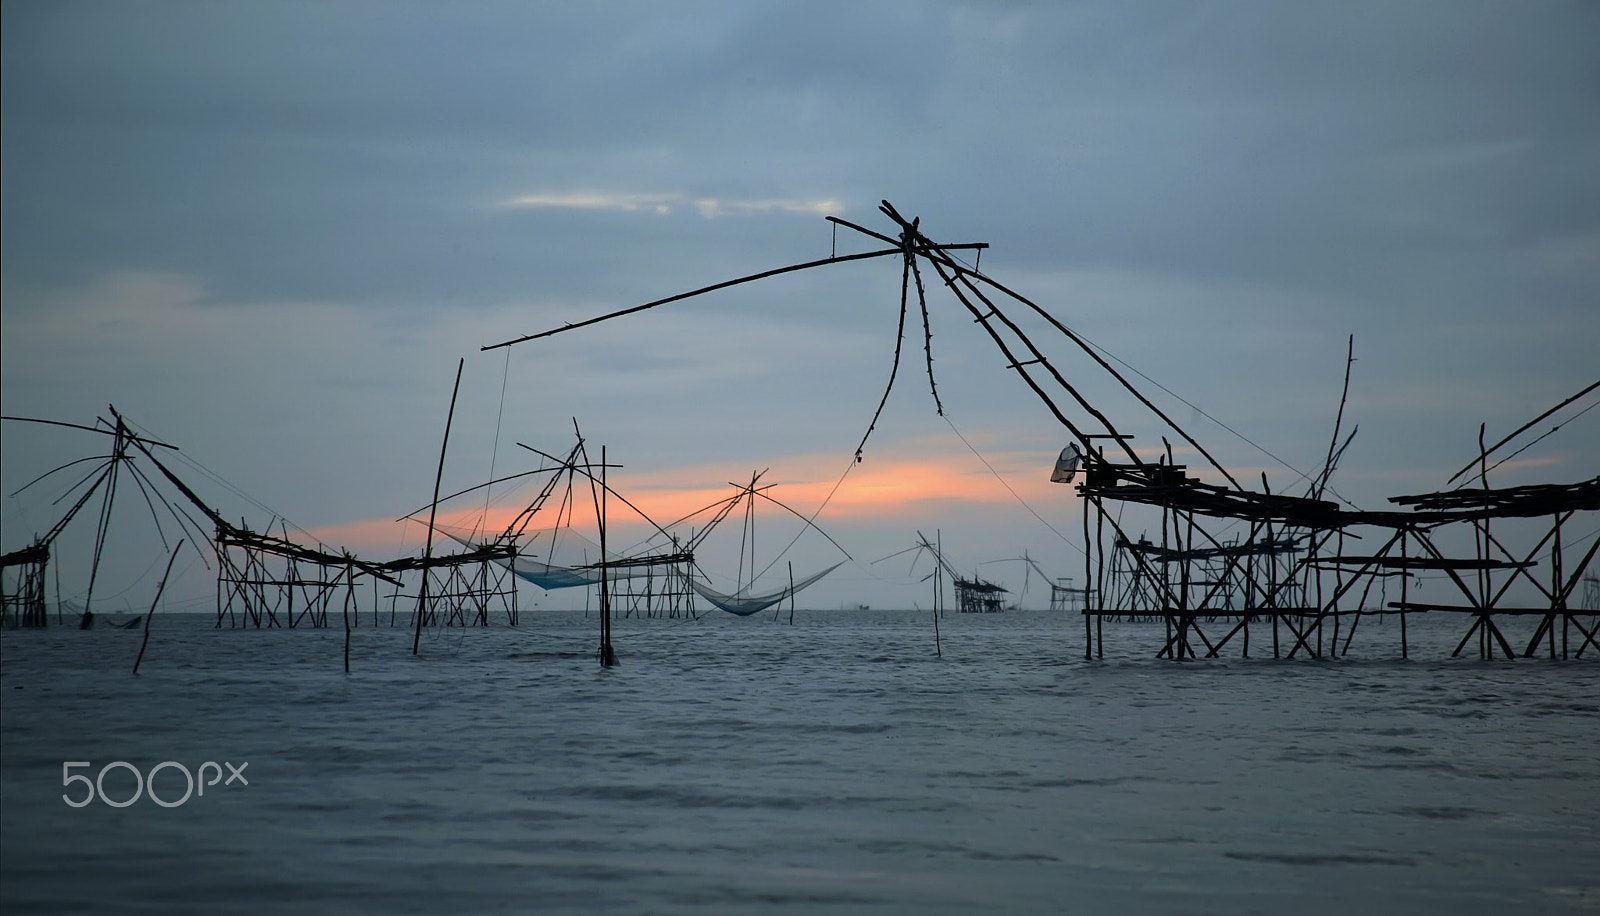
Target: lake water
<point x="744" y="765"/>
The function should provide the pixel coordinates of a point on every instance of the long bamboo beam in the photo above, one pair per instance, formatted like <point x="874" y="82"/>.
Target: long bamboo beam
<point x="696" y="292"/>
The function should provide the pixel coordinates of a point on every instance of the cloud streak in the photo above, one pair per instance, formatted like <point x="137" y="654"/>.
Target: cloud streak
<point x="708" y="207"/>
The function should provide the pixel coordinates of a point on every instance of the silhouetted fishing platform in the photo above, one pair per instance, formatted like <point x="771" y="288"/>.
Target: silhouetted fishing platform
<point x="1226" y="557"/>
<point x="1290" y="574"/>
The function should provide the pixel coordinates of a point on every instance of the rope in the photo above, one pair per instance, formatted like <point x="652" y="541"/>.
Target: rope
<point x="1241" y="436"/>
<point x="1014" y="493"/>
<point x="899" y="338"/>
<point x="231" y="488"/>
<point x="1519" y="451"/>
<point x="810" y="522"/>
<point x="504" y="376"/>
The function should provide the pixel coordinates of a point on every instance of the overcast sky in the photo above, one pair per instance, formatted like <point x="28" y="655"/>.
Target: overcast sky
<point x="267" y="232"/>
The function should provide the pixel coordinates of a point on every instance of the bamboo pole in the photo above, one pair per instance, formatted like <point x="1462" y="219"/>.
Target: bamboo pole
<point x="1088" y="581"/>
<point x="349" y="593"/>
<point x="1100" y="573"/>
<point x="608" y="656"/>
<point x="1484" y="453"/>
<point x="938" y="596"/>
<point x="153" y="602"/>
<point x="704" y="289"/>
<point x="422" y="598"/>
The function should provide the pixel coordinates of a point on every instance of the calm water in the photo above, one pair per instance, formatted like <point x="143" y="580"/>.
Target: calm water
<point x="738" y="765"/>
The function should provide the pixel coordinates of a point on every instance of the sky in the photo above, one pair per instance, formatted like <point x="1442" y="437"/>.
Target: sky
<point x="268" y="233"/>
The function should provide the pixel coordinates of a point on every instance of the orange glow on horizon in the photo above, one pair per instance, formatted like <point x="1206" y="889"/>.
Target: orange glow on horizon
<point x="878" y="490"/>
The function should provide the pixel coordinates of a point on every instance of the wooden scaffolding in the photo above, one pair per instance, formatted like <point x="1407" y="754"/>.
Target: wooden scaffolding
<point x="652" y="585"/>
<point x="22" y="586"/>
<point x="464" y="589"/>
<point x="1291" y="570"/>
<point x="1206" y="581"/>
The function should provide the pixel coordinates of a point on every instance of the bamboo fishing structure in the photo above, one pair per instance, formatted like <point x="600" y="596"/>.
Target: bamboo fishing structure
<point x="974" y="594"/>
<point x="25" y="604"/>
<point x="1224" y="557"/>
<point x="264" y="579"/>
<point x="1228" y="556"/>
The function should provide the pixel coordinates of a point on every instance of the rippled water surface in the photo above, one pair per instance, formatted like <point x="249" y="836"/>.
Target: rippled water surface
<point x="739" y="765"/>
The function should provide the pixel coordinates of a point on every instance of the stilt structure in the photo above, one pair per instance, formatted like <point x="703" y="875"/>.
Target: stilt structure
<point x="743" y="601"/>
<point x="653" y="585"/>
<point x="1292" y="573"/>
<point x="266" y="580"/>
<point x="978" y="596"/>
<point x="1029" y="567"/>
<point x="22" y="586"/>
<point x="458" y="589"/>
<point x="974" y="595"/>
<point x="644" y="581"/>
<point x="24" y="603"/>
<point x="1206" y="582"/>
<point x="1065" y="598"/>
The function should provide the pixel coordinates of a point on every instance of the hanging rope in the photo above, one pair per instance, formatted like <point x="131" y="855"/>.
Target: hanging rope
<point x="1548" y="433"/>
<point x="812" y="521"/>
<point x="927" y="336"/>
<point x="1066" y="540"/>
<point x="505" y="374"/>
<point x="899" y="339"/>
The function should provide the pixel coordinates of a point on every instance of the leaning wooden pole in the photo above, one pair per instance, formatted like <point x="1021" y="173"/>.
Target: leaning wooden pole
<point x="433" y="510"/>
<point x="153" y="602"/>
<point x="1519" y="431"/>
<point x="1321" y="482"/>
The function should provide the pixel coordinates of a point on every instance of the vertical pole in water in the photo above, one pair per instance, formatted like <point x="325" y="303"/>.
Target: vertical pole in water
<point x="607" y="656"/>
<point x="1405" y="585"/>
<point x="433" y="511"/>
<point x="791" y="593"/>
<point x="349" y="594"/>
<point x="1088" y="581"/>
<point x="1098" y="585"/>
<point x="1174" y="640"/>
<point x="1332" y="606"/>
<point x="104" y="524"/>
<point x="1271" y="602"/>
<point x="938" y="590"/>
<point x="1555" y="583"/>
<point x="1485" y="647"/>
